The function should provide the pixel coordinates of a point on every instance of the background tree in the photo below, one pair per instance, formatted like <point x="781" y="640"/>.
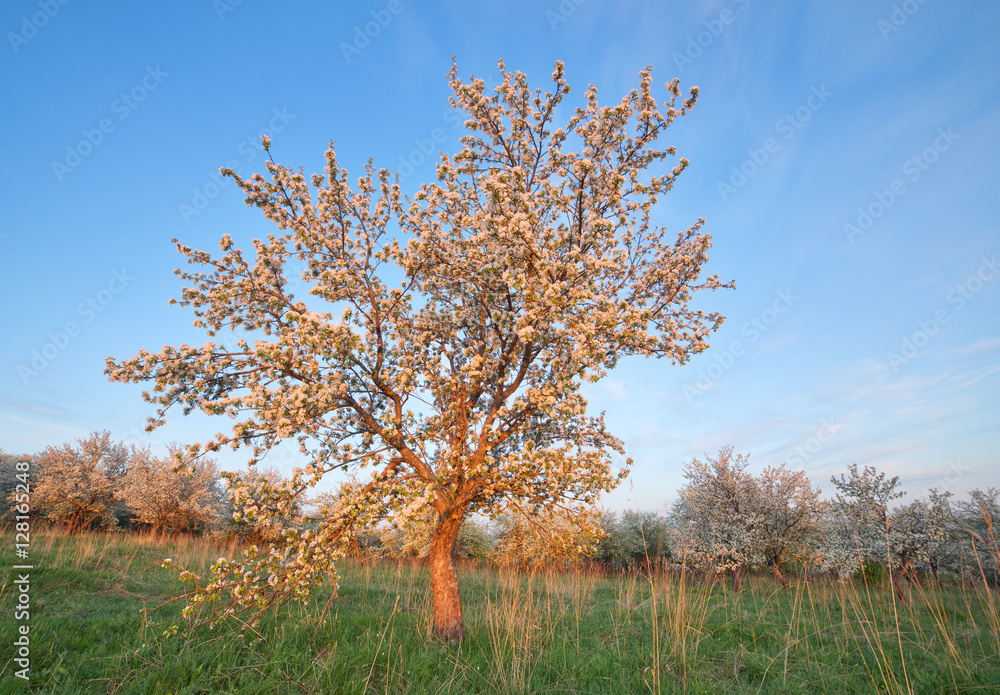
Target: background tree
<point x="944" y="550"/>
<point x="529" y="267"/>
<point x="975" y="518"/>
<point x="165" y="498"/>
<point x="76" y="486"/>
<point x="9" y="480"/>
<point x="719" y="514"/>
<point x="836" y="548"/>
<point x="474" y="542"/>
<point x="858" y="532"/>
<point x="417" y="535"/>
<point x="633" y="539"/>
<point x="916" y="533"/>
<point x="530" y="539"/>
<point x="251" y="516"/>
<point x="790" y="514"/>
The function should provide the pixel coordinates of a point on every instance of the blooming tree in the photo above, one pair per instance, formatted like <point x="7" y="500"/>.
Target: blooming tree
<point x="857" y="530"/>
<point x="731" y="520"/>
<point x="76" y="486"/>
<point x="790" y="515"/>
<point x="978" y="538"/>
<point x="170" y="500"/>
<point x="916" y="534"/>
<point x="943" y="552"/>
<point x="530" y="266"/>
<point x="718" y="514"/>
<point x="544" y="539"/>
<point x="836" y="547"/>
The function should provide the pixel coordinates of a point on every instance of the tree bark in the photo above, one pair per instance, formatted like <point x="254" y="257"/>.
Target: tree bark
<point x="778" y="575"/>
<point x="448" y="624"/>
<point x="897" y="579"/>
<point x="71" y="524"/>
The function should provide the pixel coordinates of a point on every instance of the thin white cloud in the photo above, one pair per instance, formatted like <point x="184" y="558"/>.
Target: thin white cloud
<point x="27" y="434"/>
<point x="979" y="346"/>
<point x="776" y="343"/>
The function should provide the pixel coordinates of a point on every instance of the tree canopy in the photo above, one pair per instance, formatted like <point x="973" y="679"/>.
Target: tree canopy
<point x="77" y="485"/>
<point x="529" y="267"/>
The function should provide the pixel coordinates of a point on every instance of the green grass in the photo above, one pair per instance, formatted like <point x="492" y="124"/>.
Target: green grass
<point x="546" y="633"/>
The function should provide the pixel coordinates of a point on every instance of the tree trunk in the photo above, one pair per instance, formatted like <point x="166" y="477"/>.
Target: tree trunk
<point x="897" y="579"/>
<point x="71" y="524"/>
<point x="448" y="625"/>
<point x="778" y="575"/>
<point x="737" y="572"/>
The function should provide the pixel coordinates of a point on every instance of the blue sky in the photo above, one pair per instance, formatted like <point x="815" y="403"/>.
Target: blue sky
<point x="843" y="154"/>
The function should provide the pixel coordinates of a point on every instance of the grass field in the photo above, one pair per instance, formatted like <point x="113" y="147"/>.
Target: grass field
<point x="542" y="633"/>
